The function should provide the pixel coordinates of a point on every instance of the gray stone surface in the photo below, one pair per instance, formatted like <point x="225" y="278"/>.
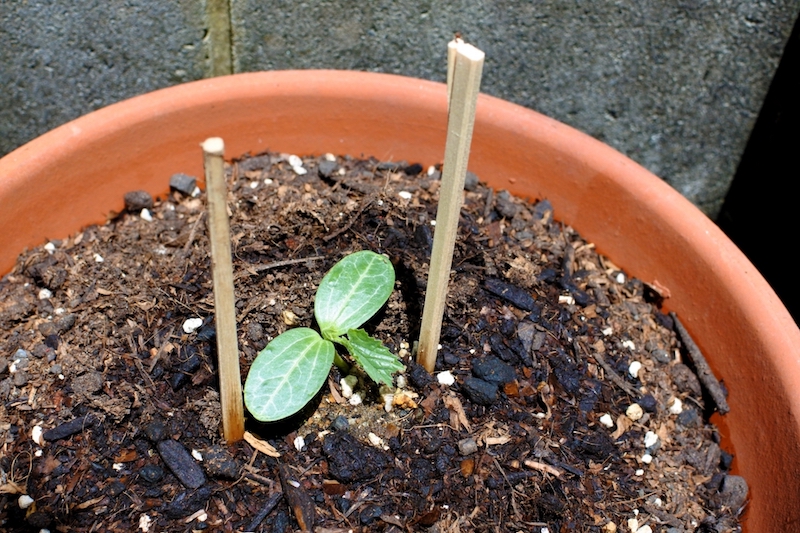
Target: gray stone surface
<point x="674" y="85"/>
<point x="62" y="59"/>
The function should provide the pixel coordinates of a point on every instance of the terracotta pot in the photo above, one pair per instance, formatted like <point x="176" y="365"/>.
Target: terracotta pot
<point x="76" y="174"/>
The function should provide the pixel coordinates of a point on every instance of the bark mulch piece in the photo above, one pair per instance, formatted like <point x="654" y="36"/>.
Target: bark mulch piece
<point x="561" y="400"/>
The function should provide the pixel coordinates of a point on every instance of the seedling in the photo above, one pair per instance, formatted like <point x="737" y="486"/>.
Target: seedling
<point x="292" y="368"/>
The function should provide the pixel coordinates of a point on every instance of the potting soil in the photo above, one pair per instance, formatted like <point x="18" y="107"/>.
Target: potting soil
<point x="561" y="399"/>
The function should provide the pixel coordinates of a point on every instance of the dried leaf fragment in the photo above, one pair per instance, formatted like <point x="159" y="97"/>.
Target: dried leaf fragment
<point x="260" y="445"/>
<point x="623" y="424"/>
<point x="542" y="467"/>
<point x="458" y="418"/>
<point x="492" y="441"/>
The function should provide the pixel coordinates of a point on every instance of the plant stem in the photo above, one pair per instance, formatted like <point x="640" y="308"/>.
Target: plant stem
<point x="341" y="364"/>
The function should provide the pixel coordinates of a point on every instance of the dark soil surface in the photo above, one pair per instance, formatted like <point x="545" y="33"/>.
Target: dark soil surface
<point x="561" y="414"/>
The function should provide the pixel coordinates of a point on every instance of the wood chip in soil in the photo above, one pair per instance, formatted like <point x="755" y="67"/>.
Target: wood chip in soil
<point x="570" y="407"/>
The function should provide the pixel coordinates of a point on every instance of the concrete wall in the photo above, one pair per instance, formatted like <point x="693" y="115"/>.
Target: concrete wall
<point x="62" y="59"/>
<point x="676" y="87"/>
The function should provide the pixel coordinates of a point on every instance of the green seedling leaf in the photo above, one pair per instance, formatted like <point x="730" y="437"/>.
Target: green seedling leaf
<point x="292" y="368"/>
<point x="352" y="292"/>
<point x="376" y="360"/>
<point x="287" y="374"/>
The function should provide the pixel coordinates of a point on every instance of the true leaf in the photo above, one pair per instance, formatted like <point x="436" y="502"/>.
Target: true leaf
<point x="352" y="292"/>
<point x="287" y="374"/>
<point x="378" y="362"/>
